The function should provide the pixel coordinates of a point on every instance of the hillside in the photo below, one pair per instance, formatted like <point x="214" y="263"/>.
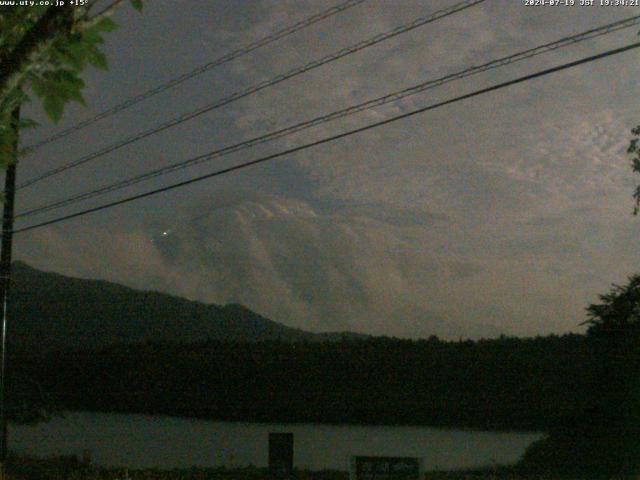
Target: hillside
<point x="50" y="311"/>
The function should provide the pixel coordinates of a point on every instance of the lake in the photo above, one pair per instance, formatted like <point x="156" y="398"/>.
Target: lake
<point x="139" y="441"/>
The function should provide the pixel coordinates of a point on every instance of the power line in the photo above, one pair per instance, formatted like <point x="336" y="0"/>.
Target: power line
<point x="318" y="17"/>
<point x="332" y="138"/>
<point x="419" y="22"/>
<point x="388" y="98"/>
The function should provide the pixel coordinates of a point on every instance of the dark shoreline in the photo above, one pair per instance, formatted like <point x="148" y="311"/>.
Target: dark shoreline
<point x="56" y="467"/>
<point x="302" y="422"/>
<point x="502" y="385"/>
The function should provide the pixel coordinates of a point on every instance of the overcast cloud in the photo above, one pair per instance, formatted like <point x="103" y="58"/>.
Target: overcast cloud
<point x="507" y="213"/>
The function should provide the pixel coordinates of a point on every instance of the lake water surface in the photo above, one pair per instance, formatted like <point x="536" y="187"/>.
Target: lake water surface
<point x="138" y="441"/>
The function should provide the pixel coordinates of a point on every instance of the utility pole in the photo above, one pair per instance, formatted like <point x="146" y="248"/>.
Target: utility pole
<point x="5" y="281"/>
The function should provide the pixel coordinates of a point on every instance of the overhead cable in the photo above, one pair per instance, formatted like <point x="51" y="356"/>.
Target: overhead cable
<point x="332" y="138"/>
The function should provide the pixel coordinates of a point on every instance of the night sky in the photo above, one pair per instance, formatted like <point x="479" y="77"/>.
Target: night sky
<point x="506" y="213"/>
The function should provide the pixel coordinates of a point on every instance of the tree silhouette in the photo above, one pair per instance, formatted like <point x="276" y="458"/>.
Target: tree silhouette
<point x="598" y="437"/>
<point x="44" y="49"/>
<point x="614" y="335"/>
<point x="619" y="313"/>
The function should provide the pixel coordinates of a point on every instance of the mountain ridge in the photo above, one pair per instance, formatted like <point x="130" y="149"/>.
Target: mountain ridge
<point x="52" y="311"/>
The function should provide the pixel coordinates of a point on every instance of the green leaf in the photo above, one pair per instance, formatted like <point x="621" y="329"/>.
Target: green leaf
<point x="72" y="55"/>
<point x="76" y="95"/>
<point x="106" y="25"/>
<point x="39" y="87"/>
<point x="53" y="106"/>
<point x="57" y="87"/>
<point x="55" y="77"/>
<point x="92" y="36"/>
<point x="97" y="59"/>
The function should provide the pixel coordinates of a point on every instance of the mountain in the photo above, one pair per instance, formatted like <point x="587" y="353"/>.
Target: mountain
<point x="314" y="266"/>
<point x="51" y="311"/>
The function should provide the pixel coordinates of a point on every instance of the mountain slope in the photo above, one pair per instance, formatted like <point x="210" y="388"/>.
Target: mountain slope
<point x="321" y="268"/>
<point x="50" y="311"/>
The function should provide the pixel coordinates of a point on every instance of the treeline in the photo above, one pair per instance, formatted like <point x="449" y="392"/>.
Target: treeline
<point x="505" y="383"/>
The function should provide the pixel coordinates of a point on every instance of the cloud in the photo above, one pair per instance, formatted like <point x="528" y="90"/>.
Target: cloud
<point x="281" y="257"/>
<point x="504" y="213"/>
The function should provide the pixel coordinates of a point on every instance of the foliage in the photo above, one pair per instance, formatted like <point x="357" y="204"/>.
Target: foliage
<point x="619" y="313"/>
<point x="614" y="334"/>
<point x="600" y="436"/>
<point x="502" y="384"/>
<point x="582" y="390"/>
<point x="606" y="456"/>
<point x="634" y="150"/>
<point x="43" y="50"/>
<point x="73" y="468"/>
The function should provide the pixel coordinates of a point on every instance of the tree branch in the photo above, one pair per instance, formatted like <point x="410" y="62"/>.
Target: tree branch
<point x="108" y="10"/>
<point x="55" y="20"/>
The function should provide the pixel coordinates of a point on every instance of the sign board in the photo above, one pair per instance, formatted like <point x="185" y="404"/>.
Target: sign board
<point x="386" y="468"/>
<point x="281" y="455"/>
